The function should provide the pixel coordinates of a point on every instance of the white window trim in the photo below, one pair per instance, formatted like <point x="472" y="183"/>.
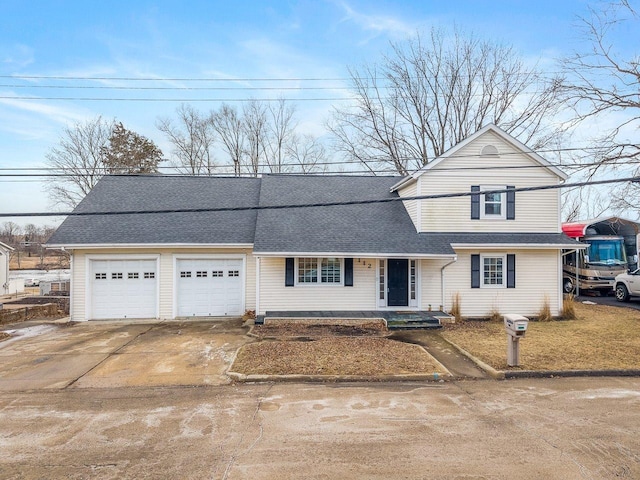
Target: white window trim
<point x="504" y="270"/>
<point x="319" y="283"/>
<point x="503" y="202"/>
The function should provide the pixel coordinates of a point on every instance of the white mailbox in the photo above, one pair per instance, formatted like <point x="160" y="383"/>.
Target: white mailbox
<point x="516" y="325"/>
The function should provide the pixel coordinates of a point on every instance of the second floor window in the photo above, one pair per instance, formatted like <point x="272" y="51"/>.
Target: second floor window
<point x="493" y="205"/>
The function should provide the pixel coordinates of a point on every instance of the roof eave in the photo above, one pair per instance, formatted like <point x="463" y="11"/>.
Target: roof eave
<point x="116" y="246"/>
<point x="356" y="254"/>
<point x="523" y="246"/>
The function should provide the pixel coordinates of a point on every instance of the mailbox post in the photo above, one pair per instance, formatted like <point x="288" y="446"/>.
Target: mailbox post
<point x="516" y="327"/>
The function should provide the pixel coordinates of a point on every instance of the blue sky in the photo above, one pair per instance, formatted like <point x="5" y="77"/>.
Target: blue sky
<point x="222" y="40"/>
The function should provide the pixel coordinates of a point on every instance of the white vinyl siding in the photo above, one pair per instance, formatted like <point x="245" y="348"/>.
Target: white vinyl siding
<point x="275" y="296"/>
<point x="165" y="275"/>
<point x="536" y="211"/>
<point x="536" y="276"/>
<point x="411" y="206"/>
<point x="431" y="289"/>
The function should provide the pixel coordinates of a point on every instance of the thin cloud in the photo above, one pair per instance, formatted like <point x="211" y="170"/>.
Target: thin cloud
<point x="16" y="56"/>
<point x="377" y="24"/>
<point x="56" y="114"/>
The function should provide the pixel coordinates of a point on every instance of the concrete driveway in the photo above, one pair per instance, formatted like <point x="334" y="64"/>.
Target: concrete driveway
<point x="120" y="354"/>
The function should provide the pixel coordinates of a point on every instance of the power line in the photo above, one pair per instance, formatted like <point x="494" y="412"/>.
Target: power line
<point x="182" y="100"/>
<point x="105" y="170"/>
<point x="321" y="204"/>
<point x="239" y="79"/>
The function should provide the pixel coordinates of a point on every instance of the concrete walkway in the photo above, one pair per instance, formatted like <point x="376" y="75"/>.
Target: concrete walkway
<point x="459" y="365"/>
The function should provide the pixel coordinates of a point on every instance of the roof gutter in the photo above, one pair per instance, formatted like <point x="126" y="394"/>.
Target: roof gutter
<point x="91" y="246"/>
<point x="354" y="255"/>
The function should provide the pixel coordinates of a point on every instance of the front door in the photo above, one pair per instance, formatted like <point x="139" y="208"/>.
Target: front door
<point x="398" y="283"/>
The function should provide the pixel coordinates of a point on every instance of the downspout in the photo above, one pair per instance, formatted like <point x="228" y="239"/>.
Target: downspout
<point x="455" y="259"/>
<point x="258" y="286"/>
<point x="71" y="284"/>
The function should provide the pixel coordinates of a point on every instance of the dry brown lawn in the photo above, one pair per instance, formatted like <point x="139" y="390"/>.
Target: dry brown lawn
<point x="314" y="350"/>
<point x="3" y="336"/>
<point x="600" y="338"/>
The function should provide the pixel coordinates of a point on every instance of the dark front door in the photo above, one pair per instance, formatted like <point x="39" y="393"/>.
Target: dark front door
<point x="398" y="283"/>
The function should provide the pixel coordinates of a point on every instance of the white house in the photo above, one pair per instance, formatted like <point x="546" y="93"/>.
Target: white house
<point x="4" y="268"/>
<point x="171" y="247"/>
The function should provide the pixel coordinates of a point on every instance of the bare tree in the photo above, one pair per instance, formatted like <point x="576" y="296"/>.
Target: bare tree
<point x="262" y="137"/>
<point x="600" y="82"/>
<point x="227" y="123"/>
<point x="192" y="139"/>
<point x="11" y="234"/>
<point x="78" y="160"/>
<point x="255" y="130"/>
<point x="306" y="154"/>
<point x="280" y="130"/>
<point x="433" y="91"/>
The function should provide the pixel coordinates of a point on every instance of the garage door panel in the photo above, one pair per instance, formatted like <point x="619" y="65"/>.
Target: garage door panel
<point x="123" y="289"/>
<point x="209" y="287"/>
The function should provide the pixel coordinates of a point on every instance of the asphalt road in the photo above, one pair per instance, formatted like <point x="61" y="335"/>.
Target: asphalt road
<point x="571" y="428"/>
<point x="611" y="300"/>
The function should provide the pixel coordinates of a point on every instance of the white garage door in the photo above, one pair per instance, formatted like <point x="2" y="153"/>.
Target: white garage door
<point x="123" y="289"/>
<point x="209" y="288"/>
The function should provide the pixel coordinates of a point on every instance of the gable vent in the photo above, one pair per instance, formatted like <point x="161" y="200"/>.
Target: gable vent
<point x="489" y="151"/>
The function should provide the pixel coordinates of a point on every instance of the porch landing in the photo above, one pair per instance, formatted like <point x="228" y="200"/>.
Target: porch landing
<point x="396" y="320"/>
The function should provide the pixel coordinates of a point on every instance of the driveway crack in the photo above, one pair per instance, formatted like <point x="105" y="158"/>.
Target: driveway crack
<point x="235" y="455"/>
<point x="109" y="355"/>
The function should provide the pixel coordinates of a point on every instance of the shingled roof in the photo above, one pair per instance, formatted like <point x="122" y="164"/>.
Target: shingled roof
<point x="369" y="228"/>
<point x="376" y="228"/>
<point x="149" y="192"/>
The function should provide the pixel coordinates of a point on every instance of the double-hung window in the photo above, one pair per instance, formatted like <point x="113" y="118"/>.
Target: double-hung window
<point x="313" y="271"/>
<point x="493" y="205"/>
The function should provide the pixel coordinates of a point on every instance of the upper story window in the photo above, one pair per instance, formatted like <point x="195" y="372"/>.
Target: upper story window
<point x="493" y="205"/>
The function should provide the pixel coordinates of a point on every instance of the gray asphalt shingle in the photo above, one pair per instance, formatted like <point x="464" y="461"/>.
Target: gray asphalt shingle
<point x="149" y="192"/>
<point x="370" y="228"/>
<point x="384" y="228"/>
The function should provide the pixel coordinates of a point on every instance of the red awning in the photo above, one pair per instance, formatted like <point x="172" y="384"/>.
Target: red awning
<point x="575" y="230"/>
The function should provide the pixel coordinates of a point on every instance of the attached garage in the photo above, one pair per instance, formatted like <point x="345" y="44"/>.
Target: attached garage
<point x="123" y="288"/>
<point x="209" y="287"/>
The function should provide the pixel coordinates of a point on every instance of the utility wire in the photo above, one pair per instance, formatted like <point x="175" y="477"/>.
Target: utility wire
<point x="320" y="204"/>
<point x="104" y="170"/>
<point x="183" y="100"/>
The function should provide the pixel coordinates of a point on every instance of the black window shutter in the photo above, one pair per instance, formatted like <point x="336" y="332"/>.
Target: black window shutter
<point x="511" y="271"/>
<point x="475" y="203"/>
<point x="475" y="271"/>
<point x="289" y="274"/>
<point x="511" y="203"/>
<point x="348" y="272"/>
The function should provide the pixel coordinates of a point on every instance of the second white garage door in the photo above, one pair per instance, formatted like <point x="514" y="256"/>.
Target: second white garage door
<point x="209" y="288"/>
